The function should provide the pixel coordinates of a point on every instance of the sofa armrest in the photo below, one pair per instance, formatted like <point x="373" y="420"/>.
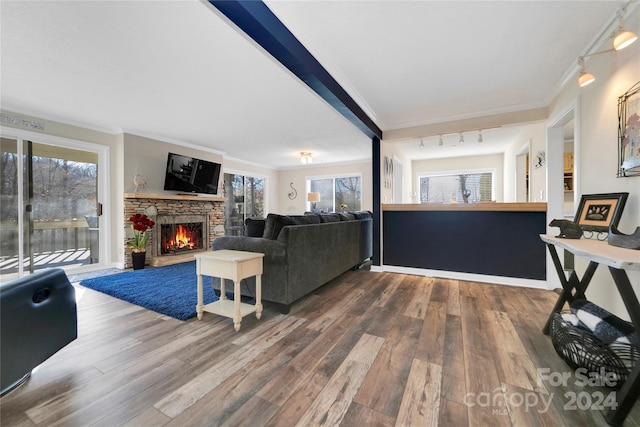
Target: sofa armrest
<point x="274" y="251"/>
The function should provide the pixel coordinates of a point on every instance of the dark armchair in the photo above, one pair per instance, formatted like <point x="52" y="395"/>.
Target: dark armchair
<point x="38" y="317"/>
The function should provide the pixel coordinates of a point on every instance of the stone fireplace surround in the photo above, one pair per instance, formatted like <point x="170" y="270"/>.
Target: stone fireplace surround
<point x="172" y="204"/>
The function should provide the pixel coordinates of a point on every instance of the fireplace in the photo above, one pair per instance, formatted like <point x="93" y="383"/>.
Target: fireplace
<point x="181" y="234"/>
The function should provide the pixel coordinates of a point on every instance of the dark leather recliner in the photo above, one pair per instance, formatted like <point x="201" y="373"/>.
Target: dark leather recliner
<point x="38" y="317"/>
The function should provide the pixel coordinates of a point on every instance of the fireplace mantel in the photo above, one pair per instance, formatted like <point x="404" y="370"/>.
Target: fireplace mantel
<point x="168" y="196"/>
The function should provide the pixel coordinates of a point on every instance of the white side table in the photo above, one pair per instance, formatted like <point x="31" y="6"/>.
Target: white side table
<point x="232" y="265"/>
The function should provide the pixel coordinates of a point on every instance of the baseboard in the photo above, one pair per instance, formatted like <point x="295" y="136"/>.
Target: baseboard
<point x="482" y="278"/>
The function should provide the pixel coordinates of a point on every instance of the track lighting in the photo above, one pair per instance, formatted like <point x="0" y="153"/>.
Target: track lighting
<point x="621" y="39"/>
<point x="421" y="144"/>
<point x="440" y="142"/>
<point x="585" y="78"/>
<point x="624" y="39"/>
<point x="461" y="139"/>
<point x="480" y="136"/>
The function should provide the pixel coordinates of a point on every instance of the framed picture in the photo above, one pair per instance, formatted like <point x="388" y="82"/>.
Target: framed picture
<point x="597" y="212"/>
<point x="629" y="132"/>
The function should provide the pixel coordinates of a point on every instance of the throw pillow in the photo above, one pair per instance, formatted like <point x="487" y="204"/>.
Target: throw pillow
<point x="305" y="219"/>
<point x="330" y="217"/>
<point x="346" y="216"/>
<point x="274" y="224"/>
<point x="254" y="227"/>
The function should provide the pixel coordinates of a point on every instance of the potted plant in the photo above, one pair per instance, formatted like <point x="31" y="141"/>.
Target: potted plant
<point x="140" y="224"/>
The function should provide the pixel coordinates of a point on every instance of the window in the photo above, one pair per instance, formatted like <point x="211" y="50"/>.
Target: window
<point x="244" y="198"/>
<point x="463" y="187"/>
<point x="335" y="191"/>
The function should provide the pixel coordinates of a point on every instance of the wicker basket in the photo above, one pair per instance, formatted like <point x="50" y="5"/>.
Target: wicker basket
<point x="580" y="349"/>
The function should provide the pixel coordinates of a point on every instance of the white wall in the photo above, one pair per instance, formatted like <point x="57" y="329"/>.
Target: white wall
<point x="596" y="150"/>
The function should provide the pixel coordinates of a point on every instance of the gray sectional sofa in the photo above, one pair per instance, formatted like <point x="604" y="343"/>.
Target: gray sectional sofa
<point x="302" y="252"/>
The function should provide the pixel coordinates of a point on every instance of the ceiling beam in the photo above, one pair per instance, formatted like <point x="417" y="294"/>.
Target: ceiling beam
<point x="259" y="23"/>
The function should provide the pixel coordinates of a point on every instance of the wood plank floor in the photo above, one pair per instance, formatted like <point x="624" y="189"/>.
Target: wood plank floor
<point x="367" y="349"/>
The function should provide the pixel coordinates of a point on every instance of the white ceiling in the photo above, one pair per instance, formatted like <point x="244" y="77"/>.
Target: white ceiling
<point x="179" y="71"/>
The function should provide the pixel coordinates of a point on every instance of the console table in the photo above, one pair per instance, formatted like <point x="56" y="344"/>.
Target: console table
<point x="618" y="260"/>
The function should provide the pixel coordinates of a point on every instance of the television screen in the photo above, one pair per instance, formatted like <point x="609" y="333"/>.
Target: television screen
<point x="191" y="175"/>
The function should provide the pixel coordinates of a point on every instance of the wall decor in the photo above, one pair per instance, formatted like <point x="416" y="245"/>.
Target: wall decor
<point x="629" y="132"/>
<point x="597" y="212"/>
<point x="540" y="159"/>
<point x="293" y="193"/>
<point x="388" y="172"/>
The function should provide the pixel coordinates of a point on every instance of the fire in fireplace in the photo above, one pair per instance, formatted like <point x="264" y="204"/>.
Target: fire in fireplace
<point x="178" y="234"/>
<point x="177" y="238"/>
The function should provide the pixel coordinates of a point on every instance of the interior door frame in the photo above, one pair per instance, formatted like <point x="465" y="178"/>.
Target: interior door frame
<point x="103" y="193"/>
<point x="555" y="171"/>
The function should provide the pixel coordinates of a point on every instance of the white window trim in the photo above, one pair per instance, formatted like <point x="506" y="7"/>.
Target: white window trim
<point x="104" y="195"/>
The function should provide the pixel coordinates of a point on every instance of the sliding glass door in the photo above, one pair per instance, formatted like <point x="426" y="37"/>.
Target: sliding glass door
<point x="244" y="198"/>
<point x="49" y="210"/>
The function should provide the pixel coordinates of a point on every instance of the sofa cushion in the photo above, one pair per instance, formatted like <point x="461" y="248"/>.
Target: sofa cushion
<point x="329" y="217"/>
<point x="274" y="224"/>
<point x="362" y="214"/>
<point x="346" y="216"/>
<point x="305" y="219"/>
<point x="254" y="227"/>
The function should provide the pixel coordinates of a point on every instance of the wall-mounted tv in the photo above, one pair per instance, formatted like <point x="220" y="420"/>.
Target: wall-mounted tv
<point x="191" y="175"/>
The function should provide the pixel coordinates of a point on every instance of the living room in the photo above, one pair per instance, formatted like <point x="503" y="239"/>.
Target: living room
<point x="134" y="151"/>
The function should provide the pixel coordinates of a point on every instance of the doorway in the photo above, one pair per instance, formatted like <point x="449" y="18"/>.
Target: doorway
<point x="50" y="210"/>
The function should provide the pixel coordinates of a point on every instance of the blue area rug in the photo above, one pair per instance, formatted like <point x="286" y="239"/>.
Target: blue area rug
<point x="170" y="290"/>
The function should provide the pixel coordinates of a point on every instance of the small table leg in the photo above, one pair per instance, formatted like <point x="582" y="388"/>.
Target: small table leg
<point x="200" y="305"/>
<point x="223" y="294"/>
<point x="237" y="317"/>
<point x="258" y="296"/>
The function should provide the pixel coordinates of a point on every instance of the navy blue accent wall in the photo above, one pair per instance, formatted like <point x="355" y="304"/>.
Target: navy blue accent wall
<point x="490" y="243"/>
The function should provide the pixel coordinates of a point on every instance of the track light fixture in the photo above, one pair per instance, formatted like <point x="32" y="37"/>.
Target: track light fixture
<point x="480" y="136"/>
<point x="461" y="139"/>
<point x="440" y="142"/>
<point x="421" y="144"/>
<point x="585" y="78"/>
<point x="621" y="39"/>
<point x="306" y="157"/>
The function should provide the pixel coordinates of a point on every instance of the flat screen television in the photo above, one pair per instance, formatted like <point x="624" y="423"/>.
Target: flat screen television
<point x="191" y="175"/>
